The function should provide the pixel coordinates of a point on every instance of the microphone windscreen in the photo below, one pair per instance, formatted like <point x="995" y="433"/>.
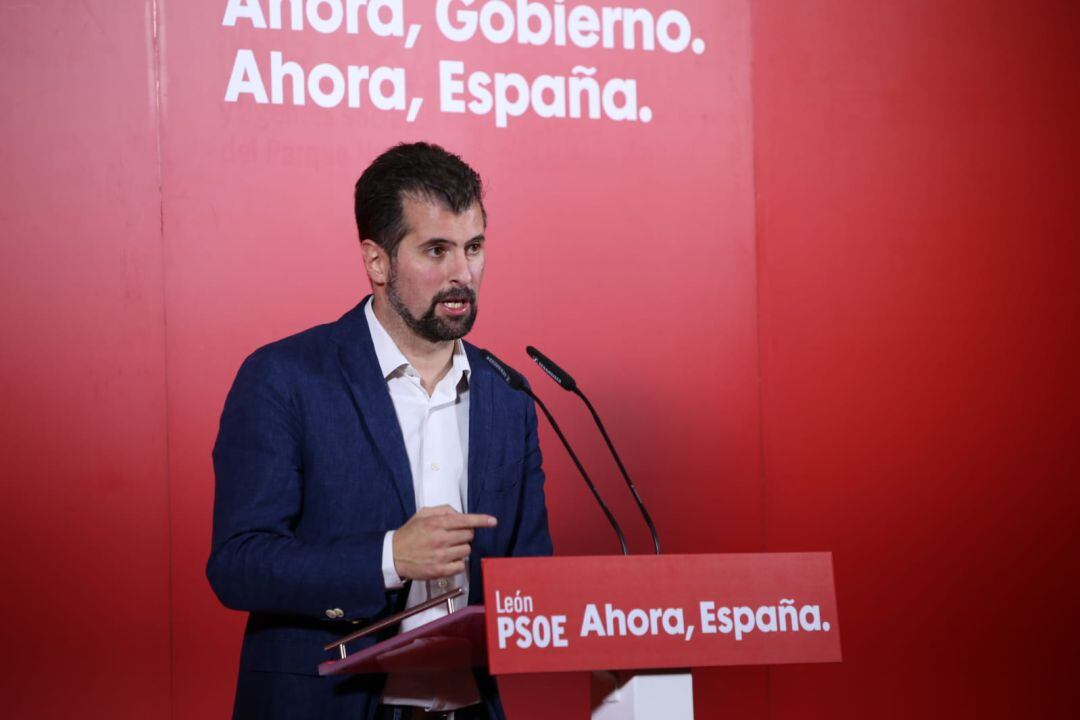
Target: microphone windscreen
<point x="512" y="377"/>
<point x="553" y="371"/>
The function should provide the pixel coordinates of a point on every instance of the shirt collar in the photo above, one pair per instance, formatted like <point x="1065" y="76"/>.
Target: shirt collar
<point x="391" y="359"/>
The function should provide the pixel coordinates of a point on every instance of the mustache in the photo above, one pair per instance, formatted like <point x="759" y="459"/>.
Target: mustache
<point x="455" y="295"/>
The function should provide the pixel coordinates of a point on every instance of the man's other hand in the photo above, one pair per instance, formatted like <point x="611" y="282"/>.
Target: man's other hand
<point x="434" y="543"/>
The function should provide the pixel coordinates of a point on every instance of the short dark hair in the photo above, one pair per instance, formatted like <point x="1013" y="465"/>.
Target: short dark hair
<point x="422" y="171"/>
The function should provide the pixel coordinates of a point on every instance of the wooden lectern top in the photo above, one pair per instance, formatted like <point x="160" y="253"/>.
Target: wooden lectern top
<point x="451" y="642"/>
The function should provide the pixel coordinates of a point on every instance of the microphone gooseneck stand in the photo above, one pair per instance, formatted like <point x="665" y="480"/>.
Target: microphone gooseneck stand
<point x="517" y="381"/>
<point x="566" y="382"/>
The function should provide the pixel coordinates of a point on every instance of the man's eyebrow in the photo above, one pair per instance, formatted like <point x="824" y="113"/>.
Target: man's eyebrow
<point x="432" y="242"/>
<point x="435" y="241"/>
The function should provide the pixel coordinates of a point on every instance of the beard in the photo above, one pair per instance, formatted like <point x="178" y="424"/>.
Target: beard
<point x="430" y="326"/>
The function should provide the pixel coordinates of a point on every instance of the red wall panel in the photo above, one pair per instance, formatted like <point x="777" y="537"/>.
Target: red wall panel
<point x="915" y="249"/>
<point x="915" y="167"/>
<point x="85" y="557"/>
<point x="624" y="250"/>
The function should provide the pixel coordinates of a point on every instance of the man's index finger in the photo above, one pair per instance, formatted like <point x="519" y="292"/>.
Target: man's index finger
<point x="471" y="520"/>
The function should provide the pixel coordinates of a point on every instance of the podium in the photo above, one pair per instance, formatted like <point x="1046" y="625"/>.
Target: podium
<point x="621" y="632"/>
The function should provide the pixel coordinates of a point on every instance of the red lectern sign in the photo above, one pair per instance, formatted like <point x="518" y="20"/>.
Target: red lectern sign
<point x="638" y="612"/>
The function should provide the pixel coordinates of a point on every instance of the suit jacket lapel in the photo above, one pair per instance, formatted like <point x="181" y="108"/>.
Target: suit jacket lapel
<point x="480" y="414"/>
<point x="372" y="398"/>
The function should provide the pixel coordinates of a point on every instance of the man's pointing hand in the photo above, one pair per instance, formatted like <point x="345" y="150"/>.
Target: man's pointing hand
<point x="435" y="542"/>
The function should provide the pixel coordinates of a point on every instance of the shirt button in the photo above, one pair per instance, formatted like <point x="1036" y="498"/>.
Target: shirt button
<point x="434" y="466"/>
<point x="442" y="583"/>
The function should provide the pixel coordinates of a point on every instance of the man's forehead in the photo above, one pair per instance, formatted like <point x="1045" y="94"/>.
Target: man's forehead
<point x="424" y="215"/>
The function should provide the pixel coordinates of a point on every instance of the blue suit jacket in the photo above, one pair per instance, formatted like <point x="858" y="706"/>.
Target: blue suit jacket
<point x="311" y="471"/>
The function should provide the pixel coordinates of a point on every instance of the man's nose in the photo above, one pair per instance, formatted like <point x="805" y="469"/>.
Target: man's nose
<point x="460" y="272"/>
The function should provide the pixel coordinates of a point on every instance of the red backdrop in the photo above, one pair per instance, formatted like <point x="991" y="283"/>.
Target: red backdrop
<point x="821" y="298"/>
<point x="917" y="262"/>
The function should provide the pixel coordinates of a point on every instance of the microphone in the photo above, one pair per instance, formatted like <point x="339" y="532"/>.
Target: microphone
<point x="517" y="381"/>
<point x="568" y="383"/>
<point x="512" y="377"/>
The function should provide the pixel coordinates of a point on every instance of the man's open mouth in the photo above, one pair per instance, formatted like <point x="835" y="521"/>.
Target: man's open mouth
<point x="455" y="307"/>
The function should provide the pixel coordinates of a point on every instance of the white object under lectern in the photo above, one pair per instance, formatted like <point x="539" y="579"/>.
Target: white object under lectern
<point x="642" y="696"/>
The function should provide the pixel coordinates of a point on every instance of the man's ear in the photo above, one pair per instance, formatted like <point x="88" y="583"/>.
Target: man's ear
<point x="376" y="262"/>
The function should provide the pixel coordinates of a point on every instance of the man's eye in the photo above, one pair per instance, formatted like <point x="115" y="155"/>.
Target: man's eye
<point x="474" y="248"/>
<point x="436" y="251"/>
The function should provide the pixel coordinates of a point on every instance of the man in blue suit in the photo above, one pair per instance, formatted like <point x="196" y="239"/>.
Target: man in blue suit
<point x="365" y="465"/>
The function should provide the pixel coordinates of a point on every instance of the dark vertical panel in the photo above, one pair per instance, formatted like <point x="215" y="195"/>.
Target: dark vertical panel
<point x="916" y="172"/>
<point x="85" y="605"/>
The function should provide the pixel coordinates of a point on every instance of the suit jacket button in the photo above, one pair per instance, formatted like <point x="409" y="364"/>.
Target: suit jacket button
<point x="339" y="613"/>
<point x="331" y="613"/>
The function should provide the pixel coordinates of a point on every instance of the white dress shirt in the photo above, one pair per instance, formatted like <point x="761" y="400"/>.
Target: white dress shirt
<point x="436" y="433"/>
